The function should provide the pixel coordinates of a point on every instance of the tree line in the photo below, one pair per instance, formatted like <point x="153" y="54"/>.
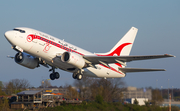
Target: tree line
<point x="88" y="88"/>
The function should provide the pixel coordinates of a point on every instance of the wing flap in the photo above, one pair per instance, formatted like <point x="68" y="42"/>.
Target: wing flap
<point x="127" y="70"/>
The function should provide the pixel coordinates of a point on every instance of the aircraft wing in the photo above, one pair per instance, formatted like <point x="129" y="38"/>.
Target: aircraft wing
<point x="121" y="59"/>
<point x="138" y="70"/>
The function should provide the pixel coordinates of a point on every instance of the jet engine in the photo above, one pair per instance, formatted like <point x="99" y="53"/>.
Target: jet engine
<point x="73" y="59"/>
<point x="26" y="60"/>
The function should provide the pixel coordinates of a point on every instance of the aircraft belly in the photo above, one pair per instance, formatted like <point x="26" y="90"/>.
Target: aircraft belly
<point x="61" y="65"/>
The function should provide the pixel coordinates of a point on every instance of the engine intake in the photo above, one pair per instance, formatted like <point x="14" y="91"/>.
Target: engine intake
<point x="73" y="59"/>
<point x="26" y="60"/>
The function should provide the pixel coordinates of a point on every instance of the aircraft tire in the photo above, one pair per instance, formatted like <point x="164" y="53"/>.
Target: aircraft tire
<point x="79" y="76"/>
<point x="56" y="75"/>
<point x="74" y="75"/>
<point x="52" y="77"/>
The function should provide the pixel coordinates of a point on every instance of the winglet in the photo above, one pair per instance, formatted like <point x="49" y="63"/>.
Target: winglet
<point x="169" y="55"/>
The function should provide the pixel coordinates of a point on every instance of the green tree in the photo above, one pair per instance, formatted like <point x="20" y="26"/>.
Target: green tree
<point x="109" y="88"/>
<point x="1" y="84"/>
<point x="83" y="87"/>
<point x="71" y="93"/>
<point x="147" y="103"/>
<point x="99" y="99"/>
<point x="1" y="92"/>
<point x="16" y="85"/>
<point x="4" y="104"/>
<point x="156" y="97"/>
<point x="136" y="102"/>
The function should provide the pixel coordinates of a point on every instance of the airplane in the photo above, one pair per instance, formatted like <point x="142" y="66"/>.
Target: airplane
<point x="35" y="48"/>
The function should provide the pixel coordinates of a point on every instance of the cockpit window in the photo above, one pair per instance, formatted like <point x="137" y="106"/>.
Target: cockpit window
<point x="22" y="31"/>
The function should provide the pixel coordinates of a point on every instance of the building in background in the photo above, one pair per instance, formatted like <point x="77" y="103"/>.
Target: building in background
<point x="141" y="94"/>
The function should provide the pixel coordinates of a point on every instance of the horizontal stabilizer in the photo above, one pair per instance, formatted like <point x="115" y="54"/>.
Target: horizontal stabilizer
<point x="138" y="70"/>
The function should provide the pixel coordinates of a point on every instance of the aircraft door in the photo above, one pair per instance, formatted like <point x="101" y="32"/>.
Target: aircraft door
<point x="35" y="42"/>
<point x="31" y="42"/>
<point x="35" y="39"/>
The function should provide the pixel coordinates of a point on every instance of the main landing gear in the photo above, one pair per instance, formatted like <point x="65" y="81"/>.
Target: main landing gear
<point x="54" y="75"/>
<point x="77" y="75"/>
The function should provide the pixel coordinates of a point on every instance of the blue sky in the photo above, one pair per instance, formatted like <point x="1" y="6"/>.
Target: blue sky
<point x="97" y="26"/>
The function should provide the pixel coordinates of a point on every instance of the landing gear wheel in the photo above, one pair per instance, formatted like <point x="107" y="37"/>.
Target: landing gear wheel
<point x="79" y="76"/>
<point x="74" y="75"/>
<point x="56" y="75"/>
<point x="52" y="77"/>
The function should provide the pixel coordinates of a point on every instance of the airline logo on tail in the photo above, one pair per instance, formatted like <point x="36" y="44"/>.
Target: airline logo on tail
<point x="117" y="51"/>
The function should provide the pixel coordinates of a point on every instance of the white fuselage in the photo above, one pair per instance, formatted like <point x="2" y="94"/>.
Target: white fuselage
<point x="47" y="47"/>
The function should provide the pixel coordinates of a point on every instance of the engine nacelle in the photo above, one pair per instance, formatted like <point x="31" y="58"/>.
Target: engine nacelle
<point x="26" y="60"/>
<point x="73" y="59"/>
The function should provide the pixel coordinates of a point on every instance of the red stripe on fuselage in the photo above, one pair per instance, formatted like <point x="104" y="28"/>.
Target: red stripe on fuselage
<point x="53" y="43"/>
<point x="111" y="69"/>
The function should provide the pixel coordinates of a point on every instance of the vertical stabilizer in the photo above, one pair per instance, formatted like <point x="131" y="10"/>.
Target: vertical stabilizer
<point x="123" y="47"/>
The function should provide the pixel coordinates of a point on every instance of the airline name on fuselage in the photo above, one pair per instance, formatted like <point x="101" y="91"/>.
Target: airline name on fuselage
<point x="60" y="42"/>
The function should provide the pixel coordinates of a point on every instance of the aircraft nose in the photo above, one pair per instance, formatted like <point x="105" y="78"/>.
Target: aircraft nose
<point x="8" y="35"/>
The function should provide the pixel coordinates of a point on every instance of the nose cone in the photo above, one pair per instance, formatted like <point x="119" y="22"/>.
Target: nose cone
<point x="9" y="36"/>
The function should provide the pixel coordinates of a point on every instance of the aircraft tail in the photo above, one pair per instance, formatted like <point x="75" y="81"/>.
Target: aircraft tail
<point x="123" y="47"/>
